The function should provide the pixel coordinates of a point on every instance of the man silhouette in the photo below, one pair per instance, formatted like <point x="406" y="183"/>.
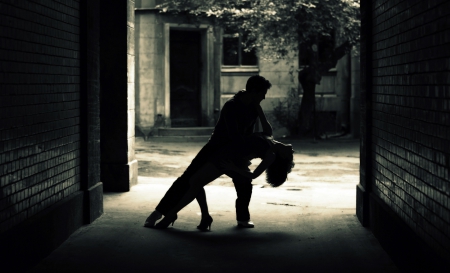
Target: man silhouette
<point x="236" y="121"/>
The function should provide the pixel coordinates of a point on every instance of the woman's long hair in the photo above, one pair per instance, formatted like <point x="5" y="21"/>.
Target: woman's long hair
<point x="276" y="173"/>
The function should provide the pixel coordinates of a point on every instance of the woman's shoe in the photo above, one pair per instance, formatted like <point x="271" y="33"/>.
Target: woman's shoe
<point x="205" y="223"/>
<point x="165" y="222"/>
<point x="151" y="220"/>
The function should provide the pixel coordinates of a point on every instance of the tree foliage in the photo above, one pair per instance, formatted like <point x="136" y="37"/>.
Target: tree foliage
<point x="277" y="27"/>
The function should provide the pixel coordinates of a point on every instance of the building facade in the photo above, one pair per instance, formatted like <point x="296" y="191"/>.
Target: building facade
<point x="186" y="71"/>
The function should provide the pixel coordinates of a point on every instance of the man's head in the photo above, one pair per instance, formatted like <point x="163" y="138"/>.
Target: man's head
<point x="258" y="86"/>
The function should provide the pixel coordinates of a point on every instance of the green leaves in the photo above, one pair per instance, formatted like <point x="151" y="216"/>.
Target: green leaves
<point x="277" y="27"/>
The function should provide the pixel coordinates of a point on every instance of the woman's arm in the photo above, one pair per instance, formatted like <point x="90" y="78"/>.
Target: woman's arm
<point x="267" y="160"/>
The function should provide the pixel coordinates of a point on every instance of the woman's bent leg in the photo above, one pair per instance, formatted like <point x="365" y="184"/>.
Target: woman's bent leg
<point x="203" y="176"/>
<point x="181" y="184"/>
<point x="201" y="200"/>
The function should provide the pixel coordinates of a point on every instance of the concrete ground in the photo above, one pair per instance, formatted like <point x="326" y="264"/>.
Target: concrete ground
<point x="306" y="225"/>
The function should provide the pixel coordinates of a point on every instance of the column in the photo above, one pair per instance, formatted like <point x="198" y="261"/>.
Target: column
<point x="117" y="114"/>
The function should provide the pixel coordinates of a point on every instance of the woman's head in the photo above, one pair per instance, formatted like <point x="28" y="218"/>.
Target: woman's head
<point x="276" y="173"/>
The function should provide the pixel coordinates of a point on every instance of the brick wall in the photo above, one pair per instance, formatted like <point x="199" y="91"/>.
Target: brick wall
<point x="90" y="109"/>
<point x="39" y="104"/>
<point x="410" y="103"/>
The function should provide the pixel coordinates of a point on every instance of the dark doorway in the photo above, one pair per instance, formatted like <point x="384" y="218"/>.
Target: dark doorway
<point x="185" y="69"/>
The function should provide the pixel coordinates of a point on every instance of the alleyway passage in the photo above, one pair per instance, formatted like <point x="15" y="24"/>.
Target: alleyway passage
<point x="306" y="225"/>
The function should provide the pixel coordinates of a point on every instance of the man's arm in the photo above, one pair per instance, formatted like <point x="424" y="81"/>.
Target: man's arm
<point x="265" y="163"/>
<point x="267" y="128"/>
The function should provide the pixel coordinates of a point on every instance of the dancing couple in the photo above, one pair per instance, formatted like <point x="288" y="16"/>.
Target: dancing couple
<point x="229" y="150"/>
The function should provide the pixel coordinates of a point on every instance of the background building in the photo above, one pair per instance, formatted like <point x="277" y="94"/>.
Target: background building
<point x="187" y="69"/>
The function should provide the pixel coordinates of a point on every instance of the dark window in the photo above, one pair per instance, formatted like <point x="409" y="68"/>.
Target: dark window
<point x="235" y="52"/>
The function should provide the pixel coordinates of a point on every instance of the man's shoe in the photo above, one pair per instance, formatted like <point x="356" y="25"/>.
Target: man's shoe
<point x="245" y="224"/>
<point x="151" y="220"/>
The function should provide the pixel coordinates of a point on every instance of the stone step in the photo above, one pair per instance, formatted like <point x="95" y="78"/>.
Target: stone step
<point x="185" y="131"/>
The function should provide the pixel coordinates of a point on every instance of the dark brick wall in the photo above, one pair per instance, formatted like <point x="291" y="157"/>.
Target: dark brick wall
<point x="49" y="125"/>
<point x="90" y="92"/>
<point x="90" y="109"/>
<point x="409" y="103"/>
<point x="40" y="106"/>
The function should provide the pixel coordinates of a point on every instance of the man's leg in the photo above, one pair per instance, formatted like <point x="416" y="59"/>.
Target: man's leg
<point x="244" y="189"/>
<point x="181" y="185"/>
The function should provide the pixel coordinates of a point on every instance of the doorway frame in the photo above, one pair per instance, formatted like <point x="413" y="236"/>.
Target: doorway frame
<point x="206" y="74"/>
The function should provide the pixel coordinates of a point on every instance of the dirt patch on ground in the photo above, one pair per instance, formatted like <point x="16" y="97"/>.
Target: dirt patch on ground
<point x="156" y="169"/>
<point x="322" y="162"/>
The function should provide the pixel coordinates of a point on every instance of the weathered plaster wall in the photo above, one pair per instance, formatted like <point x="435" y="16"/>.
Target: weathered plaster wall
<point x="233" y="83"/>
<point x="150" y="84"/>
<point x="283" y="76"/>
<point x="149" y="70"/>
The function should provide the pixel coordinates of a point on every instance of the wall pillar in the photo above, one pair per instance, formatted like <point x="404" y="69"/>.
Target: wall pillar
<point x="355" y="96"/>
<point x="90" y="110"/>
<point x="150" y="93"/>
<point x="117" y="62"/>
<point x="364" y="187"/>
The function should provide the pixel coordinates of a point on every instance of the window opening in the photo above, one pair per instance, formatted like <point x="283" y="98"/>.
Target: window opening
<point x="235" y="51"/>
